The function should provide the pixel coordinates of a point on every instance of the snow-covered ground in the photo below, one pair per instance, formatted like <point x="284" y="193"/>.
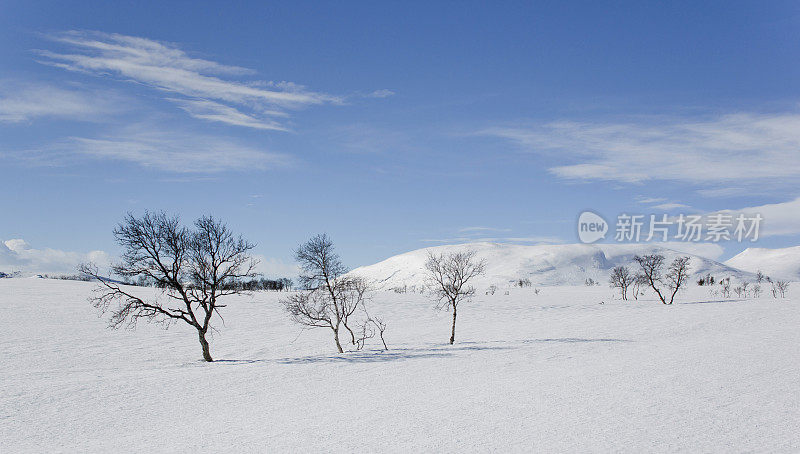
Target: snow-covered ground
<point x="557" y="371"/>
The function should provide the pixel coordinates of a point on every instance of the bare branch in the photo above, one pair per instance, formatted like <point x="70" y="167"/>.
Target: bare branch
<point x="449" y="276"/>
<point x="194" y="269"/>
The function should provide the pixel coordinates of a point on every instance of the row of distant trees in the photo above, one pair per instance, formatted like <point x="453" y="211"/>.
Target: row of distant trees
<point x="666" y="282"/>
<point x="744" y="289"/>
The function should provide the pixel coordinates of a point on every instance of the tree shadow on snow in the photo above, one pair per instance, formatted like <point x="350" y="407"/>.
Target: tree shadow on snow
<point x="400" y="354"/>
<point x="395" y="354"/>
<point x="710" y="302"/>
<point x="570" y="340"/>
<point x="365" y="357"/>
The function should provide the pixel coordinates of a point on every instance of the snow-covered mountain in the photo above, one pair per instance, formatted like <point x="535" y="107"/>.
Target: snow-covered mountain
<point x="567" y="264"/>
<point x="778" y="263"/>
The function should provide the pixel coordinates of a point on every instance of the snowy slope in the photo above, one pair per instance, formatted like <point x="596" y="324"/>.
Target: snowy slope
<point x="568" y="264"/>
<point x="777" y="263"/>
<point x="553" y="372"/>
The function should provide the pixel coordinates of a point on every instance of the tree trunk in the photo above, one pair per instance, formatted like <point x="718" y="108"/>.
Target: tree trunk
<point x="204" y="344"/>
<point x="336" y="338"/>
<point x="352" y="334"/>
<point x="453" y="332"/>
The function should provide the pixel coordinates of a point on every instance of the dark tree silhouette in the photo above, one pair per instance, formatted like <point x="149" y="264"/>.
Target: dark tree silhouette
<point x="195" y="268"/>
<point x="652" y="266"/>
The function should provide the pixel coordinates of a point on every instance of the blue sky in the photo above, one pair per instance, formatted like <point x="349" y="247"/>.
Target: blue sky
<point x="392" y="125"/>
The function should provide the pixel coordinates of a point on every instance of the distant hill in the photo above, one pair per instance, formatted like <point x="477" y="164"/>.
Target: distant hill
<point x="778" y="263"/>
<point x="544" y="265"/>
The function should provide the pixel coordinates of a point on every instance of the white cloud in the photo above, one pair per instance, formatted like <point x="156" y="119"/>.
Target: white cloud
<point x="482" y="229"/>
<point x="20" y="102"/>
<point x="164" y="149"/>
<point x="725" y="192"/>
<point x="778" y="218"/>
<point x="205" y="84"/>
<point x="731" y="148"/>
<point x="383" y="93"/>
<point x="18" y="255"/>
<point x="670" y="206"/>
<point x="213" y="111"/>
<point x="649" y="200"/>
<point x="275" y="268"/>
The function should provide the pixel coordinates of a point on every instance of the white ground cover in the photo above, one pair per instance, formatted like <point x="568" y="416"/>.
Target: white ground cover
<point x="557" y="371"/>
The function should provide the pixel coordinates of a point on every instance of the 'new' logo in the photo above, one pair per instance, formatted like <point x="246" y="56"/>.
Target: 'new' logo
<point x="591" y="227"/>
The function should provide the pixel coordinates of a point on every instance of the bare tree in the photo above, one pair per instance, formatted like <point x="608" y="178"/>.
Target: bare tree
<point x="781" y="287"/>
<point x="449" y="276"/>
<point x="652" y="266"/>
<point x="381" y="326"/>
<point x="621" y="278"/>
<point x="638" y="280"/>
<point x="726" y="287"/>
<point x="741" y="290"/>
<point x="329" y="298"/>
<point x="677" y="275"/>
<point x="195" y="268"/>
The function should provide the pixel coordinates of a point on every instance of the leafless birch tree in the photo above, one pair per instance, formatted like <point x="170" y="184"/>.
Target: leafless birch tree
<point x="329" y="298"/>
<point x="621" y="278"/>
<point x="449" y="276"/>
<point x="651" y="267"/>
<point x="780" y="287"/>
<point x="193" y="267"/>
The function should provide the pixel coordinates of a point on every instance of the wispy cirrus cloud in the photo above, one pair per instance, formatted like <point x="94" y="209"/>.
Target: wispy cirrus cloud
<point x="670" y="206"/>
<point x="737" y="148"/>
<point x="211" y="91"/>
<point x="162" y="149"/>
<point x="213" y="111"/>
<point x="481" y="229"/>
<point x="22" y="102"/>
<point x="650" y="200"/>
<point x="383" y="93"/>
<point x="660" y="203"/>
